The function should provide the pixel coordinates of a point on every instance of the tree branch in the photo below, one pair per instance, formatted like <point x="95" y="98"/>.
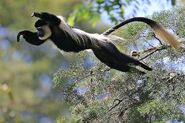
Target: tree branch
<point x="138" y="90"/>
<point x="151" y="50"/>
<point x="119" y="101"/>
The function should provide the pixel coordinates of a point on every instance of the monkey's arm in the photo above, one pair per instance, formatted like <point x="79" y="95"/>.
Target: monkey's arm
<point x="48" y="17"/>
<point x="30" y="37"/>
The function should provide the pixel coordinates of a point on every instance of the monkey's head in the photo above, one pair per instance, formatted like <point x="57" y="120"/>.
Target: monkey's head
<point x="43" y="30"/>
<point x="38" y="37"/>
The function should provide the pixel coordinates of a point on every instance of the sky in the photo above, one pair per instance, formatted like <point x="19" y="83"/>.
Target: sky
<point x="155" y="6"/>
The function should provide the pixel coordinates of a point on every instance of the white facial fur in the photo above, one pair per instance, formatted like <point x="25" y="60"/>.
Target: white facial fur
<point x="47" y="32"/>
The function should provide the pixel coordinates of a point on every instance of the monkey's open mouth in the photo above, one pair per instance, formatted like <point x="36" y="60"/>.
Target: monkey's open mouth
<point x="40" y="32"/>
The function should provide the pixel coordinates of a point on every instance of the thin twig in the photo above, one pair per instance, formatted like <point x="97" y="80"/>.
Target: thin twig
<point x="158" y="39"/>
<point x="119" y="101"/>
<point x="156" y="49"/>
<point x="148" y="55"/>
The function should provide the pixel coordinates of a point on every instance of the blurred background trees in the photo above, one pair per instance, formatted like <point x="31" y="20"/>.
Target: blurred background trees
<point x="26" y="72"/>
<point x="83" y="89"/>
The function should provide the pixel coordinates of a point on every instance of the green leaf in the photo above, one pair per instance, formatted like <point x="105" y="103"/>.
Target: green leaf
<point x="71" y="20"/>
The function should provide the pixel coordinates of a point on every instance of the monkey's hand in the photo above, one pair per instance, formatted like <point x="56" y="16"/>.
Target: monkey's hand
<point x="30" y="37"/>
<point x="48" y="17"/>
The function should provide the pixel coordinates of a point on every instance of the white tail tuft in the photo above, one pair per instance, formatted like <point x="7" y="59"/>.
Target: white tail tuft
<point x="163" y="35"/>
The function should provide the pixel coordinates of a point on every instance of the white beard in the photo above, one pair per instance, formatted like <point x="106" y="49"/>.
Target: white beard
<point x="47" y="32"/>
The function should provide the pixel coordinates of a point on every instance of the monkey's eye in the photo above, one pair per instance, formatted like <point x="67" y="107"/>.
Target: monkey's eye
<point x="40" y="32"/>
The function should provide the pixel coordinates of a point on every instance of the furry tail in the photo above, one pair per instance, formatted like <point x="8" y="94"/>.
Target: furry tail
<point x="160" y="32"/>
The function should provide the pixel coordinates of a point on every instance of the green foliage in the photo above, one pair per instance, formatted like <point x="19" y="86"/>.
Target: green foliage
<point x="24" y="93"/>
<point x="112" y="96"/>
<point x="17" y="14"/>
<point x="84" y="12"/>
<point x="115" y="9"/>
<point x="91" y="10"/>
<point x="72" y="119"/>
<point x="26" y="71"/>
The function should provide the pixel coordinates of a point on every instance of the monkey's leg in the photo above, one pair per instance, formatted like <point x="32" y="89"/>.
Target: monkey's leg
<point x="125" y="68"/>
<point x="111" y="56"/>
<point x="111" y="60"/>
<point x="30" y="37"/>
<point x="126" y="59"/>
<point x="48" y="17"/>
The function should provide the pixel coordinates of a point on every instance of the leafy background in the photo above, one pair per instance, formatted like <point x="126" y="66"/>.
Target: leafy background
<point x="40" y="84"/>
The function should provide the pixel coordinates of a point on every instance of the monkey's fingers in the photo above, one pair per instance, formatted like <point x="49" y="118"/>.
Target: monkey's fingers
<point x="19" y="35"/>
<point x="47" y="17"/>
<point x="24" y="33"/>
<point x="36" y="14"/>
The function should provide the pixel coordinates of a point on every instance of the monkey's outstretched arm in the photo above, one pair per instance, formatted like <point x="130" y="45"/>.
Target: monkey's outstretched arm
<point x="48" y="17"/>
<point x="30" y="37"/>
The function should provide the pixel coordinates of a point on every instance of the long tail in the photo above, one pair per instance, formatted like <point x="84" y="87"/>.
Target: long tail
<point x="160" y="32"/>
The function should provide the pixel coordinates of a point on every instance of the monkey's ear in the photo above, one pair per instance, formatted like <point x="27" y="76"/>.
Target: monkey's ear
<point x="30" y="37"/>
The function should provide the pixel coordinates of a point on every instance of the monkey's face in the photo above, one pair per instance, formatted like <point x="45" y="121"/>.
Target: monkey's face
<point x="43" y="30"/>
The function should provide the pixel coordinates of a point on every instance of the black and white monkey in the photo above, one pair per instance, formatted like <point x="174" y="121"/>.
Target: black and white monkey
<point x="70" y="39"/>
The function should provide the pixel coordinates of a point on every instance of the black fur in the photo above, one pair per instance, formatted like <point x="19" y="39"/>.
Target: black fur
<point x="47" y="17"/>
<point x="104" y="50"/>
<point x="30" y="37"/>
<point x="39" y="23"/>
<point x="64" y="41"/>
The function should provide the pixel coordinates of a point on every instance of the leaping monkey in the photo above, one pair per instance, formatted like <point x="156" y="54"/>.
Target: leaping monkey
<point x="54" y="28"/>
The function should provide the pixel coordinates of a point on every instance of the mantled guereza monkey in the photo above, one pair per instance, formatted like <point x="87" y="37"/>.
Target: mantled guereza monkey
<point x="70" y="39"/>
